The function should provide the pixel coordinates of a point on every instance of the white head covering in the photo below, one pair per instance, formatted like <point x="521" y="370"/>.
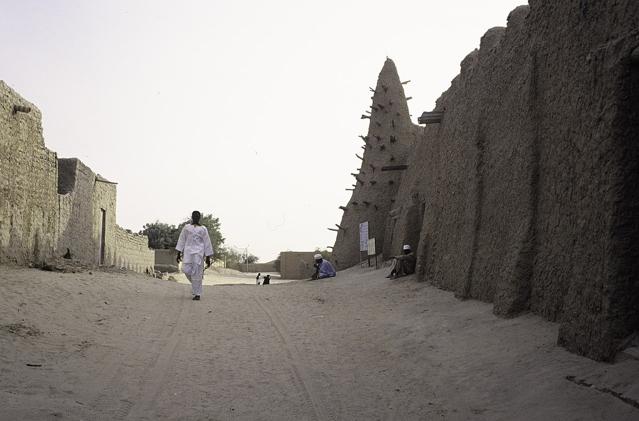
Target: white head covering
<point x="317" y="256"/>
<point x="406" y="247"/>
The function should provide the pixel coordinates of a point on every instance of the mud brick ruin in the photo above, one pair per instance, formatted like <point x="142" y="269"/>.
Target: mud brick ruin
<point x="49" y="204"/>
<point x="522" y="187"/>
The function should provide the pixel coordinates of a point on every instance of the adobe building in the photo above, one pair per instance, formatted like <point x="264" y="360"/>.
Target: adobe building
<point x="50" y="205"/>
<point x="390" y="138"/>
<point x="521" y="189"/>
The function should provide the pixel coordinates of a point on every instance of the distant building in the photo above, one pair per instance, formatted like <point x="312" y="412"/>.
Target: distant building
<point x="297" y="264"/>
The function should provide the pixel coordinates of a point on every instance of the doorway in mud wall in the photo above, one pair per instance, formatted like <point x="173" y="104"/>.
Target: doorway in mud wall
<point x="102" y="235"/>
<point x="392" y="230"/>
<point x="414" y="222"/>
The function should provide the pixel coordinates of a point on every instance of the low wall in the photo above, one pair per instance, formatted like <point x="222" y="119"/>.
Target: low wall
<point x="258" y="267"/>
<point x="296" y="264"/>
<point x="132" y="252"/>
<point x="165" y="260"/>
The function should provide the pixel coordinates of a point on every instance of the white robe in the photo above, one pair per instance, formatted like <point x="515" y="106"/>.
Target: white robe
<point x="194" y="244"/>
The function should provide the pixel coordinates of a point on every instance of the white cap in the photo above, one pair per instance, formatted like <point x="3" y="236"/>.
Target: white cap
<point x="406" y="247"/>
<point x="317" y="256"/>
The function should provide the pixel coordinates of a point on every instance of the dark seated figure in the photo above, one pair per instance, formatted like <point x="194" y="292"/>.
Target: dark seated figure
<point x="403" y="264"/>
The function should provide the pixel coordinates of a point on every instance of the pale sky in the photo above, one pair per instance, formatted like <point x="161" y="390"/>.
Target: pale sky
<point x="249" y="110"/>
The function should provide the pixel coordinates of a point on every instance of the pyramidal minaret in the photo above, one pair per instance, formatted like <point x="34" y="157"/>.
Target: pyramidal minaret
<point x="390" y="138"/>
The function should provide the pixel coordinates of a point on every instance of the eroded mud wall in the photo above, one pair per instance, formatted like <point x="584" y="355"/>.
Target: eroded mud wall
<point x="587" y="221"/>
<point x="75" y="186"/>
<point x="132" y="251"/>
<point x="527" y="183"/>
<point x="28" y="183"/>
<point x="88" y="221"/>
<point x="48" y="205"/>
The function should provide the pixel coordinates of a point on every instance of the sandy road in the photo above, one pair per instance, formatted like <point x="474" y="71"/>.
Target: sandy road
<point x="124" y="347"/>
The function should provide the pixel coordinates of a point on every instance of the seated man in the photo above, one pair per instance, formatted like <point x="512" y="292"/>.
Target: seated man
<point x="404" y="264"/>
<point x="323" y="268"/>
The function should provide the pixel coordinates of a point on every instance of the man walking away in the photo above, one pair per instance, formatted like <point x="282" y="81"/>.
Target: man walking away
<point x="194" y="249"/>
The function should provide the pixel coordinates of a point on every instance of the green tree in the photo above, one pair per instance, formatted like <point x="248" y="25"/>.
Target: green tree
<point x="165" y="236"/>
<point x="214" y="228"/>
<point x="226" y="254"/>
<point x="235" y="258"/>
<point x="325" y="253"/>
<point x="249" y="259"/>
<point x="161" y="235"/>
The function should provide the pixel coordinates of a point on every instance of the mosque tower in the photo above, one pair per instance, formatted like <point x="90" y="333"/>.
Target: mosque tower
<point x="390" y="139"/>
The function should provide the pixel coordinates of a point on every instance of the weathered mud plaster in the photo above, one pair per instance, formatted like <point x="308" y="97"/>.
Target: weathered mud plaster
<point x="50" y="205"/>
<point x="525" y="194"/>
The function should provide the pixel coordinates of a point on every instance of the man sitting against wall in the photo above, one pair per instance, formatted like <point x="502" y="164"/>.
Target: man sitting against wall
<point x="403" y="264"/>
<point x="323" y="268"/>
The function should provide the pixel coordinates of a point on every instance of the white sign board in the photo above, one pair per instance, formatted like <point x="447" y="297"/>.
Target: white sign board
<point x="371" y="247"/>
<point x="363" y="236"/>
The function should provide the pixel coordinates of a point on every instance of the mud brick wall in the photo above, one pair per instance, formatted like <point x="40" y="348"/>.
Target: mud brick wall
<point x="28" y="184"/>
<point x="83" y="196"/>
<point x="104" y="199"/>
<point x="132" y="251"/>
<point x="75" y="187"/>
<point x="391" y="136"/>
<point x="525" y="195"/>
<point x="165" y="260"/>
<point x="258" y="267"/>
<point x="48" y="205"/>
<point x="296" y="264"/>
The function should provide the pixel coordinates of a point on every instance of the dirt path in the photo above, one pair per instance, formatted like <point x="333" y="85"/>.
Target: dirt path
<point x="125" y="347"/>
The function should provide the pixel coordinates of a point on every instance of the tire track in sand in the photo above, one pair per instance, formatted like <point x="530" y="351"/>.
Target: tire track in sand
<point x="154" y="377"/>
<point x="303" y="378"/>
<point x="113" y="399"/>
